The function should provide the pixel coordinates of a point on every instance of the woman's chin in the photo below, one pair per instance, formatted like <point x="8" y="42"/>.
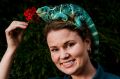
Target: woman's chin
<point x="70" y="72"/>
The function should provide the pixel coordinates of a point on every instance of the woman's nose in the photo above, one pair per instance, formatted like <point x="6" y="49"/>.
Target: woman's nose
<point x="64" y="55"/>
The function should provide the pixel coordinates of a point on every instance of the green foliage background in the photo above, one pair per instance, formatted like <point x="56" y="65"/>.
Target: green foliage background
<point x="32" y="59"/>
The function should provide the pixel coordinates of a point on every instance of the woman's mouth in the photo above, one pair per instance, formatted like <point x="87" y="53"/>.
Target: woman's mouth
<point x="68" y="64"/>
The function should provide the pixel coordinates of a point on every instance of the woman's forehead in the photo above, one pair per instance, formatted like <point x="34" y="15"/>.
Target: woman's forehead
<point x="61" y="36"/>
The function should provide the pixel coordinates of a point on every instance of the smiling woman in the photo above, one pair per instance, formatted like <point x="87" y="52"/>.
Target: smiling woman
<point x="69" y="51"/>
<point x="70" y="48"/>
<point x="71" y="36"/>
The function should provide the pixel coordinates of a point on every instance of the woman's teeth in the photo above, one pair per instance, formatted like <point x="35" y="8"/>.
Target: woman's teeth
<point x="68" y="63"/>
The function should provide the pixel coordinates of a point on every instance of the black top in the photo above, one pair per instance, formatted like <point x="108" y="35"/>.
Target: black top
<point x="100" y="74"/>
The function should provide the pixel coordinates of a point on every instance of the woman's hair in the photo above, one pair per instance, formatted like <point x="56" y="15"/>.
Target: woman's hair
<point x="72" y="17"/>
<point x="83" y="31"/>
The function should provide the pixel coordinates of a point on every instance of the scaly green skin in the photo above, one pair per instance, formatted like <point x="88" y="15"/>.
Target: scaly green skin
<point x="66" y="11"/>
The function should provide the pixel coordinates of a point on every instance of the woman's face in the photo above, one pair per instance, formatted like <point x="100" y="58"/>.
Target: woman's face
<point x="68" y="51"/>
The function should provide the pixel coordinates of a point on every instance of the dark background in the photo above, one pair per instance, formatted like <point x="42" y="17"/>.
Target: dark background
<point x="32" y="60"/>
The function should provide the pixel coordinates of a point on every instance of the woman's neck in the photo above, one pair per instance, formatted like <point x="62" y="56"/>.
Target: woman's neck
<point x="88" y="72"/>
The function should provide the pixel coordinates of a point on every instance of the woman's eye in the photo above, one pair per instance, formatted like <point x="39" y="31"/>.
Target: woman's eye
<point x="71" y="44"/>
<point x="54" y="50"/>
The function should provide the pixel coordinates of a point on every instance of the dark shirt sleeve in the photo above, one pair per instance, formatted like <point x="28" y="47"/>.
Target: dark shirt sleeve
<point x="110" y="76"/>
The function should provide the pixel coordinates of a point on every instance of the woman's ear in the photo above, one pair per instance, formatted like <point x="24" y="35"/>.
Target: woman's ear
<point x="88" y="44"/>
<point x="88" y="41"/>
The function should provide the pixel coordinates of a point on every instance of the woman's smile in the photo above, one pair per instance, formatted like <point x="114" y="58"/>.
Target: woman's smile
<point x="68" y="63"/>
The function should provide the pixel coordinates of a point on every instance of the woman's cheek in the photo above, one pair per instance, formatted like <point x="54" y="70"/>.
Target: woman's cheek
<point x="55" y="58"/>
<point x="76" y="51"/>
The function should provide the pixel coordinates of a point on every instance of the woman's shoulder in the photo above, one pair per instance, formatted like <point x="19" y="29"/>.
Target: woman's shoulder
<point x="111" y="76"/>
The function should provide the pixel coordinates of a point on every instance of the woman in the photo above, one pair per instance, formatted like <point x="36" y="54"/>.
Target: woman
<point x="71" y="36"/>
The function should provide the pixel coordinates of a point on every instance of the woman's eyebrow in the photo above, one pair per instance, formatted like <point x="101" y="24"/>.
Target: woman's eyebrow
<point x="53" y="47"/>
<point x="68" y="41"/>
